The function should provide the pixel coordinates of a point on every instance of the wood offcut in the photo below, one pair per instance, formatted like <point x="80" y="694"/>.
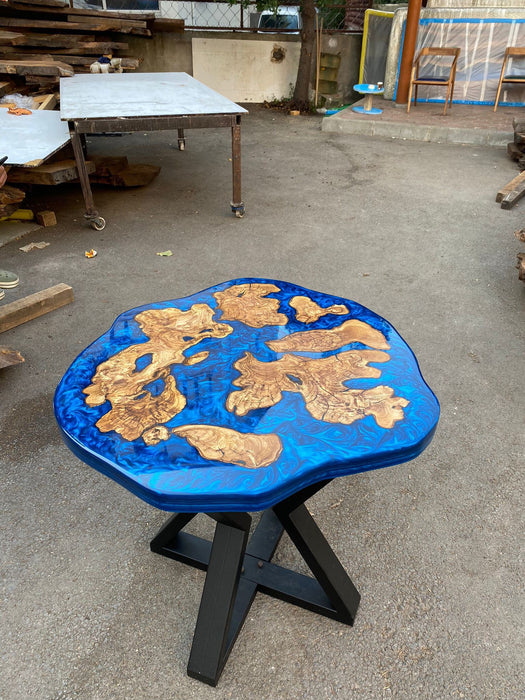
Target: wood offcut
<point x="34" y="305"/>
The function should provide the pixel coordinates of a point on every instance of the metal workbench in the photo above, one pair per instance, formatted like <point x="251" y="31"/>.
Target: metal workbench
<point x="122" y="102"/>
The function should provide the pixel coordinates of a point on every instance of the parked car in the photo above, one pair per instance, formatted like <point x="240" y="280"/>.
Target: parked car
<point x="284" y="17"/>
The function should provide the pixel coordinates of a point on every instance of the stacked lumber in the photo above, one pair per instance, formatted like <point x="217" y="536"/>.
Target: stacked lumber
<point x="44" y="40"/>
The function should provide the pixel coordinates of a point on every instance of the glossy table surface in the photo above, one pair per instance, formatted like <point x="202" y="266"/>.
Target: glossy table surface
<point x="240" y="395"/>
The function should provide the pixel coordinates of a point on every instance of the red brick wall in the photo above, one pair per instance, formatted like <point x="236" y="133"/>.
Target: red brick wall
<point x="355" y="13"/>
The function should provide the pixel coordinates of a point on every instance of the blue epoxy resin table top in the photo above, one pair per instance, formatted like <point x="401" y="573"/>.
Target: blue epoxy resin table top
<point x="240" y="395"/>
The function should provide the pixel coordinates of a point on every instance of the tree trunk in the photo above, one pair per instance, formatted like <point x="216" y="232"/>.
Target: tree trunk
<point x="301" y="95"/>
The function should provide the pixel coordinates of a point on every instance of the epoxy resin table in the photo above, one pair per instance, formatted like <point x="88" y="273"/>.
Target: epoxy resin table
<point x="249" y="396"/>
<point x="122" y="102"/>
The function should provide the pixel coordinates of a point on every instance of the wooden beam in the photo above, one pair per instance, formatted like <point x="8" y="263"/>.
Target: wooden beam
<point x="509" y="186"/>
<point x="34" y="305"/>
<point x="49" y="173"/>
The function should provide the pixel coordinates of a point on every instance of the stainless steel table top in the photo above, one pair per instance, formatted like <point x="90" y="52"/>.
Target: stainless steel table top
<point x="114" y="95"/>
<point x="31" y="138"/>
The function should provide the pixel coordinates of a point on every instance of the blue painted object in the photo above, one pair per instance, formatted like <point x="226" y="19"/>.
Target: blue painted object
<point x="240" y="395"/>
<point x="361" y="109"/>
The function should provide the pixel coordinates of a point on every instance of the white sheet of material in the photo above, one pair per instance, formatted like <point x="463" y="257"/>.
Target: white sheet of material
<point x="114" y="95"/>
<point x="31" y="138"/>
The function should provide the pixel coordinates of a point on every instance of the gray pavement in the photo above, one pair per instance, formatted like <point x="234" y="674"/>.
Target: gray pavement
<point x="410" y="230"/>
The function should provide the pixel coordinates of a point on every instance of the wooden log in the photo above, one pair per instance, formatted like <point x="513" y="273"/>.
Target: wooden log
<point x="9" y="357"/>
<point x="520" y="234"/>
<point x="509" y="187"/>
<point x="137" y="175"/>
<point x="48" y="173"/>
<point x="34" y="305"/>
<point x="514" y="194"/>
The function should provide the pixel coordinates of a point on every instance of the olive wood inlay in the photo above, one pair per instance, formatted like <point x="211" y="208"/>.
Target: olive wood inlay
<point x="321" y="383"/>
<point x="324" y="340"/>
<point x="248" y="303"/>
<point x="307" y="311"/>
<point x="117" y="380"/>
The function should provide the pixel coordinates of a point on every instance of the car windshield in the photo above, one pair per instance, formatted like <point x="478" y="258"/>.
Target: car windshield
<point x="279" y="22"/>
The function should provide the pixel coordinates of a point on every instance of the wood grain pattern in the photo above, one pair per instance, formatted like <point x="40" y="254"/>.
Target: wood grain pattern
<point x="232" y="447"/>
<point x="249" y="304"/>
<point x="134" y="409"/>
<point x="307" y="311"/>
<point x="321" y="382"/>
<point x="324" y="340"/>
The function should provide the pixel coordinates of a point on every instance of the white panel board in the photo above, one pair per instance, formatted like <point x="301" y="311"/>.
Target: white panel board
<point x="244" y="70"/>
<point x="31" y="138"/>
<point x="113" y="95"/>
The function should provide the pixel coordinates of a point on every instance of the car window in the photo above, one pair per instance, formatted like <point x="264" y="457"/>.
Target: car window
<point x="279" y="22"/>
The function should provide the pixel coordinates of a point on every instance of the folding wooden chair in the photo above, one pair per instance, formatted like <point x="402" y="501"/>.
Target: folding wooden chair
<point x="510" y="53"/>
<point x="417" y="78"/>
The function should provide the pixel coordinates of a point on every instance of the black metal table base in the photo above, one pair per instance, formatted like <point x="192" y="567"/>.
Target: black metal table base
<point x="238" y="568"/>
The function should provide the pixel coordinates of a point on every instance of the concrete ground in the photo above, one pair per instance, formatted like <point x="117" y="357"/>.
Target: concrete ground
<point x="409" y="229"/>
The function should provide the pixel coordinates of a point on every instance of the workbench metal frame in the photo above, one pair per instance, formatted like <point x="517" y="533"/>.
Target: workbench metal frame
<point x="79" y="128"/>
<point x="95" y="104"/>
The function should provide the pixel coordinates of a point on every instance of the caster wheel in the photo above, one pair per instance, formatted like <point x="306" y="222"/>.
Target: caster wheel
<point x="98" y="224"/>
<point x="238" y="210"/>
<point x="181" y="146"/>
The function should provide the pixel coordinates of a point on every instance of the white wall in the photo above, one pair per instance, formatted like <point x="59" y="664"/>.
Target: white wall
<point x="246" y="70"/>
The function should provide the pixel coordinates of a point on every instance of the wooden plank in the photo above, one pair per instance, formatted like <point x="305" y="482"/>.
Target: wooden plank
<point x="111" y="14"/>
<point x="9" y="357"/>
<point x="516" y="193"/>
<point x="510" y="186"/>
<point x="46" y="101"/>
<point x="48" y="173"/>
<point x="34" y="305"/>
<point x="10" y="38"/>
<point x="55" y="41"/>
<point x="95" y="26"/>
<point x="46" y="3"/>
<point x="36" y="68"/>
<point x="86" y="19"/>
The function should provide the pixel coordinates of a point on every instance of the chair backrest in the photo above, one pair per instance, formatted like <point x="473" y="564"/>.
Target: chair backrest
<point x="439" y="51"/>
<point x="514" y="51"/>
